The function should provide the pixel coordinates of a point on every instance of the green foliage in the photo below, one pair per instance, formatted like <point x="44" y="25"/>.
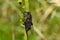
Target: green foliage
<point x="52" y="25"/>
<point x="5" y="31"/>
<point x="16" y="18"/>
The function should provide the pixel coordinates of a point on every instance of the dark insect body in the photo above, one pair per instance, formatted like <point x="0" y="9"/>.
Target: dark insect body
<point x="28" y="22"/>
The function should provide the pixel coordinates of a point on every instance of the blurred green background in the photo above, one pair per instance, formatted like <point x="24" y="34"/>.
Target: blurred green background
<point x="45" y="16"/>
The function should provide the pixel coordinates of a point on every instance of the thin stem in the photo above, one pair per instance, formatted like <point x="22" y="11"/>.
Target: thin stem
<point x="13" y="34"/>
<point x="26" y="5"/>
<point x="4" y="9"/>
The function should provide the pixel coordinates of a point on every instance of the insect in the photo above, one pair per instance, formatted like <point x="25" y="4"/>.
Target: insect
<point x="28" y="22"/>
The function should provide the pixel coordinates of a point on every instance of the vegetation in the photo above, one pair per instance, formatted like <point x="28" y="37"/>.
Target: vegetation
<point x="45" y="15"/>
